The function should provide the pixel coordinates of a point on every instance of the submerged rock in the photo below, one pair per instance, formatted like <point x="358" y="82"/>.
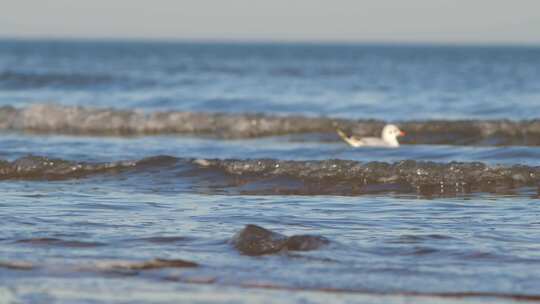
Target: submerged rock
<point x="306" y="242"/>
<point x="154" y="264"/>
<point x="135" y="267"/>
<point x="17" y="265"/>
<point x="256" y="240"/>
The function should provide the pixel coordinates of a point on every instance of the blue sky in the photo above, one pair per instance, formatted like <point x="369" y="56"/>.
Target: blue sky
<point x="441" y="21"/>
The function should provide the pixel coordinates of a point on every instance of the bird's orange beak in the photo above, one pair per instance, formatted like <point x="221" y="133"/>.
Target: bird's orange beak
<point x="401" y="133"/>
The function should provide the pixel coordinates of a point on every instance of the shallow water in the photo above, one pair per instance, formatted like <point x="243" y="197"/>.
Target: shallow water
<point x="183" y="195"/>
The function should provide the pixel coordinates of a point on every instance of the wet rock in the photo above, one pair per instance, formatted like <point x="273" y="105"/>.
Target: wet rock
<point x="256" y="240"/>
<point x="306" y="242"/>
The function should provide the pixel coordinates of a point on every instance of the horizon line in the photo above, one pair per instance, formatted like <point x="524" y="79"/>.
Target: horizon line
<point x="463" y="43"/>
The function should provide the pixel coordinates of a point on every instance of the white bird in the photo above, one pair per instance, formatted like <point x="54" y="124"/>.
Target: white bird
<point x="388" y="138"/>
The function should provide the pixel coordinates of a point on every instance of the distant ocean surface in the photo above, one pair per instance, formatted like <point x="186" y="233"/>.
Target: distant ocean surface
<point x="385" y="82"/>
<point x="115" y="154"/>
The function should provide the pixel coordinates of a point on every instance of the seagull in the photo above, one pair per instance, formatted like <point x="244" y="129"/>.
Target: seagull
<point x="388" y="138"/>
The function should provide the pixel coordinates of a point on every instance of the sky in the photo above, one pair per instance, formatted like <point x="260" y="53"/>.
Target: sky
<point x="438" y="21"/>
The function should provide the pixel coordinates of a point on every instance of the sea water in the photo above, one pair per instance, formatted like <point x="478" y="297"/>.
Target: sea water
<point x="76" y="201"/>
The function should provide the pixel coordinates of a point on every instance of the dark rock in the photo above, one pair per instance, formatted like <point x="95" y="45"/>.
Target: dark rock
<point x="255" y="240"/>
<point x="306" y="242"/>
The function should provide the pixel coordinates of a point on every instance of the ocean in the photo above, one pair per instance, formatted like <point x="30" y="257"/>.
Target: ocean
<point x="129" y="170"/>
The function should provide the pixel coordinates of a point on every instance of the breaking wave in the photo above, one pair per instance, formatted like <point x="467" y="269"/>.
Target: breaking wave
<point x="43" y="168"/>
<point x="271" y="176"/>
<point x="345" y="177"/>
<point x="50" y="118"/>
